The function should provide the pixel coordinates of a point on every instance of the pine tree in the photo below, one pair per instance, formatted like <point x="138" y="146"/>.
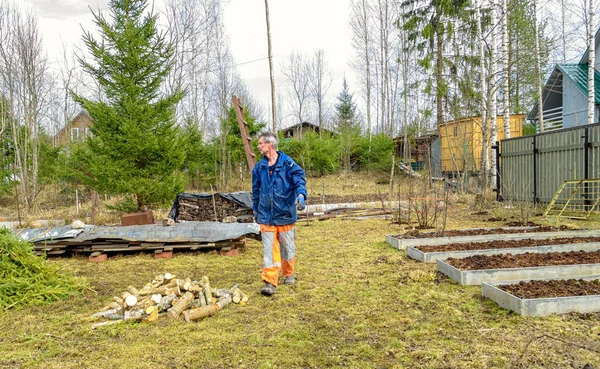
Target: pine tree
<point x="135" y="147"/>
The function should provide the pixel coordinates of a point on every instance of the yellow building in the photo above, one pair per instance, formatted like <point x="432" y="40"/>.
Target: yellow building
<point x="462" y="141"/>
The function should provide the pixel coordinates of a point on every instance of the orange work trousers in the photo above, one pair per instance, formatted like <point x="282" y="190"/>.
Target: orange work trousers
<point x="279" y="252"/>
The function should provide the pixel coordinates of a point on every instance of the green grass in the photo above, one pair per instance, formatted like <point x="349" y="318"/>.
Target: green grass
<point x="358" y="303"/>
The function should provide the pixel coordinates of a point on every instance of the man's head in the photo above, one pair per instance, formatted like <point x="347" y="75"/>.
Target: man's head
<point x="267" y="142"/>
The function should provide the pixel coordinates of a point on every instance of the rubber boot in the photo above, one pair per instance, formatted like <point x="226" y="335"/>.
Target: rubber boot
<point x="268" y="289"/>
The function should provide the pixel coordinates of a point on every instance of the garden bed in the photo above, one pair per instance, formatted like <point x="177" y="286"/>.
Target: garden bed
<point x="525" y="260"/>
<point x="416" y="239"/>
<point x="429" y="254"/>
<point x="481" y="231"/>
<point x="475" y="269"/>
<point x="545" y="297"/>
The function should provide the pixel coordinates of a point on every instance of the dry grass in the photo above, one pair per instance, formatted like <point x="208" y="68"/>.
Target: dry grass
<point x="358" y="303"/>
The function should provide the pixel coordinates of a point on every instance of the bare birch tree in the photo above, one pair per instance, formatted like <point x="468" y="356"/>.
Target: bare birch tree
<point x="538" y="68"/>
<point x="320" y="80"/>
<point x="591" y="62"/>
<point x="493" y="112"/>
<point x="506" y="70"/>
<point x="26" y="80"/>
<point x="297" y="77"/>
<point x="484" y="164"/>
<point x="362" y="41"/>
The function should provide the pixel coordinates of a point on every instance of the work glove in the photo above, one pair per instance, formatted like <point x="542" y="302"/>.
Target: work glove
<point x="300" y="204"/>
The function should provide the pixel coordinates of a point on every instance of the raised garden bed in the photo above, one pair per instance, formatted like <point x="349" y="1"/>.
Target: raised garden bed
<point x="475" y="269"/>
<point x="545" y="297"/>
<point x="429" y="254"/>
<point x="401" y="242"/>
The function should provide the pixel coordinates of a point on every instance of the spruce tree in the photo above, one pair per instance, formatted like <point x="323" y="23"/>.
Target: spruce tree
<point x="345" y="108"/>
<point x="135" y="148"/>
<point x="348" y="129"/>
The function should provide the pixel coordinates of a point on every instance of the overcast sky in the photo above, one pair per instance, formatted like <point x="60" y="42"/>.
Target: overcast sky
<point x="303" y="26"/>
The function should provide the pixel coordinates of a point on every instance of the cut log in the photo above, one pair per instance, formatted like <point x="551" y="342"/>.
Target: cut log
<point x="166" y="302"/>
<point x="158" y="281"/>
<point x="151" y="313"/>
<point x="221" y="292"/>
<point x="103" y="314"/>
<point x="202" y="299"/>
<point x="168" y="277"/>
<point x="244" y="299"/>
<point x="236" y="297"/>
<point x="132" y="290"/>
<point x="223" y="301"/>
<point x="163" y="290"/>
<point x="157" y="297"/>
<point x="109" y="322"/>
<point x="134" y="314"/>
<point x="130" y="300"/>
<point x="199" y="313"/>
<point x="181" y="305"/>
<point x="205" y="283"/>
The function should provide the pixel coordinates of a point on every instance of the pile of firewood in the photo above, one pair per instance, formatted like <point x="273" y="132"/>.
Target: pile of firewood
<point x="213" y="209"/>
<point x="171" y="297"/>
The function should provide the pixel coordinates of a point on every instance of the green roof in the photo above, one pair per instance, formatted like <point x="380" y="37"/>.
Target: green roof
<point x="578" y="73"/>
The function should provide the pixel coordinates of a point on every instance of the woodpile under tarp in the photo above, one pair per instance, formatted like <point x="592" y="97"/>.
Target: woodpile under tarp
<point x="149" y="237"/>
<point x="168" y="296"/>
<point x="234" y="207"/>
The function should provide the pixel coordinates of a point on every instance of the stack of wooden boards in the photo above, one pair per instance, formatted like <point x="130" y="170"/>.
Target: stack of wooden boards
<point x="168" y="296"/>
<point x="218" y="207"/>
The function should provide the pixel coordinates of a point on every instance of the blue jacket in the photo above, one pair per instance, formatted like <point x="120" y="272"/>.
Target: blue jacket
<point x="273" y="195"/>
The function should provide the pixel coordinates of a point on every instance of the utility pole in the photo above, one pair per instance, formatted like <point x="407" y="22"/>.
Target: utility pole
<point x="273" y="107"/>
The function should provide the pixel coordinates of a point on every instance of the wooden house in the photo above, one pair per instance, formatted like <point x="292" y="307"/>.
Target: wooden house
<point x="461" y="141"/>
<point x="300" y="129"/>
<point x="75" y="131"/>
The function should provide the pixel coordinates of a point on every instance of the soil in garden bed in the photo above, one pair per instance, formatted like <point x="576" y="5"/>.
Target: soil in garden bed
<point x="477" y="262"/>
<point x="478" y="232"/>
<point x="506" y="244"/>
<point x="553" y="288"/>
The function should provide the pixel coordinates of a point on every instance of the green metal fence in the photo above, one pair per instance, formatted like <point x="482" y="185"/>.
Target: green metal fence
<point x="532" y="168"/>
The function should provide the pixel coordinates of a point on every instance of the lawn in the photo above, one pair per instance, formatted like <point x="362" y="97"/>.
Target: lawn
<point x="357" y="303"/>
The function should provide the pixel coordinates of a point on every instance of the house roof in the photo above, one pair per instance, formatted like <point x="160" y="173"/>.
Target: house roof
<point x="577" y="73"/>
<point x="584" y="58"/>
<point x="305" y="125"/>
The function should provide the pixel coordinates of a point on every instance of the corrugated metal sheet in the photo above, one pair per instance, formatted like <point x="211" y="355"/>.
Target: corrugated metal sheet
<point x="179" y="232"/>
<point x="557" y="156"/>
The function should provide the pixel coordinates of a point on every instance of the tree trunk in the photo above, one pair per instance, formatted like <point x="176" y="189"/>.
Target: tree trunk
<point x="271" y="72"/>
<point x="506" y="74"/>
<point x="492" y="98"/>
<point x="484" y="163"/>
<point x="591" y="64"/>
<point x="538" y="68"/>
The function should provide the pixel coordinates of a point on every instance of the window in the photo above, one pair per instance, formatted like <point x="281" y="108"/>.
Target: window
<point x="75" y="134"/>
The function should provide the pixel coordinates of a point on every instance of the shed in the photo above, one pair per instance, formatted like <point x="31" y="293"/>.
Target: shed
<point x="461" y="141"/>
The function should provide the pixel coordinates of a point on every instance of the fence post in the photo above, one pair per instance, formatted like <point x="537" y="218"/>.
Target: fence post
<point x="535" y="151"/>
<point x="496" y="149"/>
<point x="586" y="168"/>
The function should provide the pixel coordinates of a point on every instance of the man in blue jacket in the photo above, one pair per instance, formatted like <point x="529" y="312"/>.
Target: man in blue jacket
<point x="278" y="188"/>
